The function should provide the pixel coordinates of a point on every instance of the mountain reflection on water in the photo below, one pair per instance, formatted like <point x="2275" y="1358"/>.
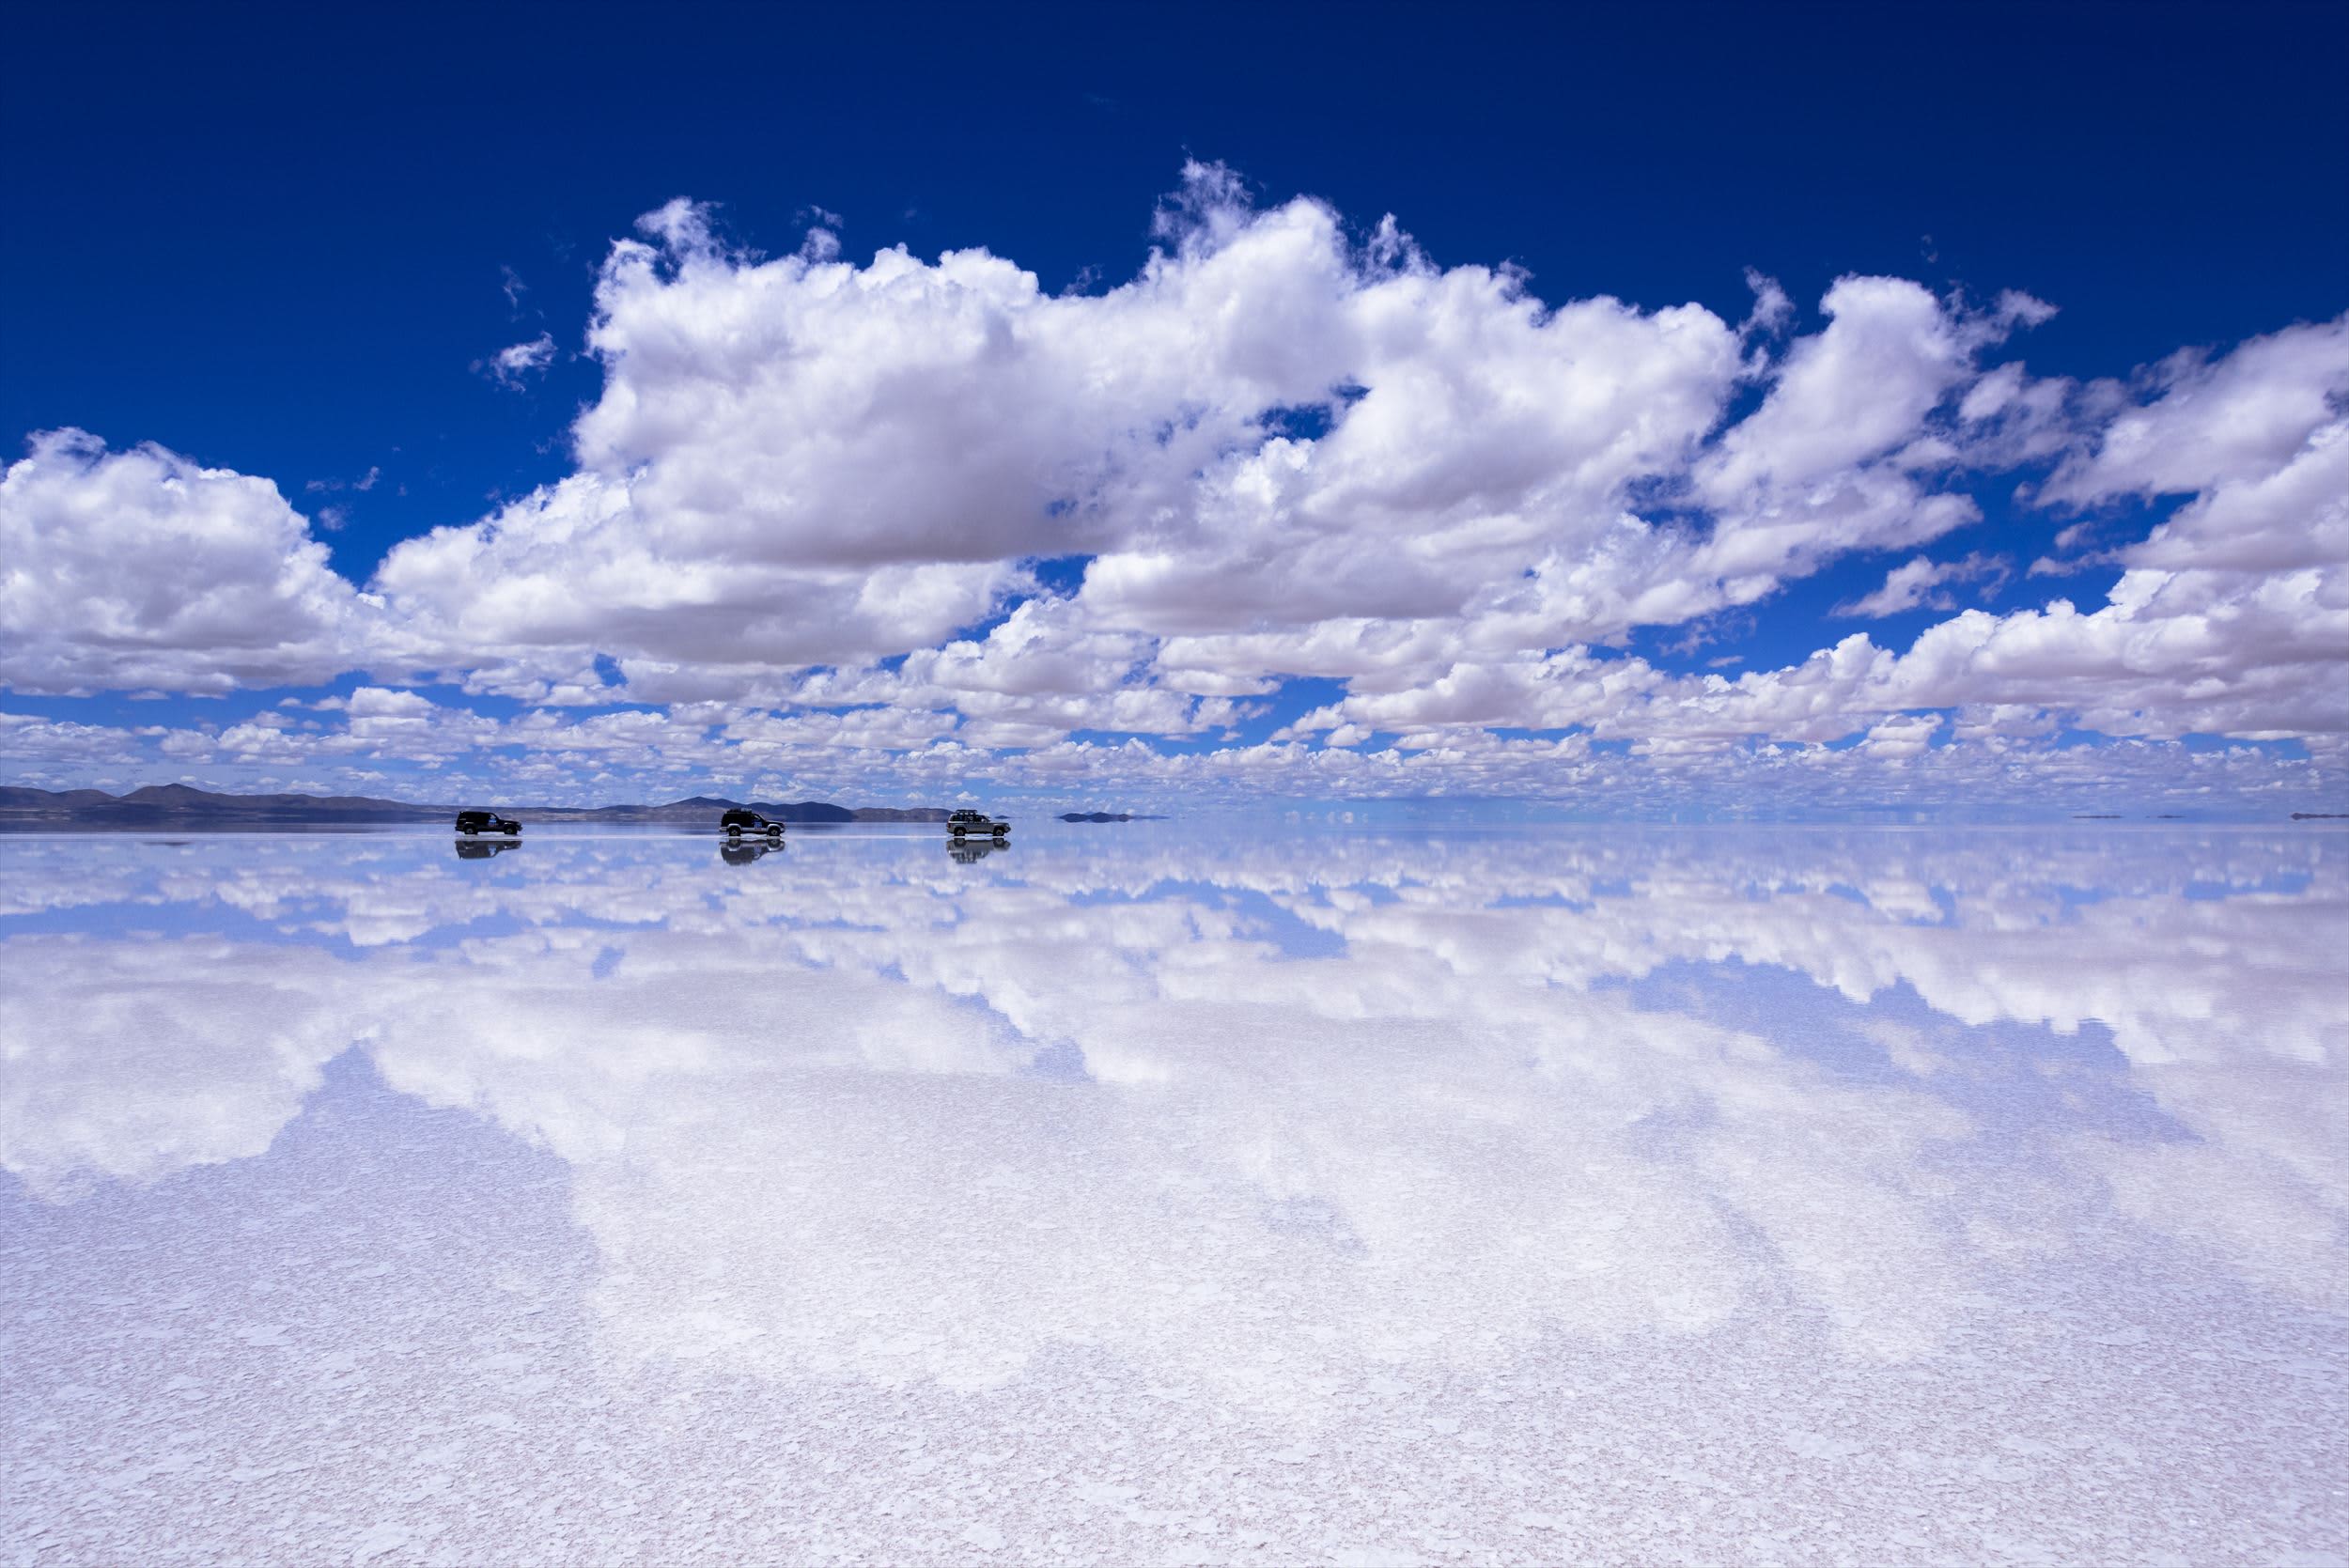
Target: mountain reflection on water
<point x="1238" y="1180"/>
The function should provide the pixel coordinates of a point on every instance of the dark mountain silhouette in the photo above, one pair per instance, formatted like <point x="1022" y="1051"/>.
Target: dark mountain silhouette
<point x="181" y="805"/>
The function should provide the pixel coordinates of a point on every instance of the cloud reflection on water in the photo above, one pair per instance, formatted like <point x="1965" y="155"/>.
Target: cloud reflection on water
<point x="1259" y="1112"/>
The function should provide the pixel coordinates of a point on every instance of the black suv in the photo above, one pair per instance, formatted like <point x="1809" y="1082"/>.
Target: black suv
<point x="976" y="824"/>
<point x="486" y="822"/>
<point x="741" y="819"/>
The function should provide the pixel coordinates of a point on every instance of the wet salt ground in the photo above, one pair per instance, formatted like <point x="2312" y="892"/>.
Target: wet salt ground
<point x="1605" y="1254"/>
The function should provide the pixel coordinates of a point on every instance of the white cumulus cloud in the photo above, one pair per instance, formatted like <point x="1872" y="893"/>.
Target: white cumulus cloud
<point x="142" y="569"/>
<point x="819" y="499"/>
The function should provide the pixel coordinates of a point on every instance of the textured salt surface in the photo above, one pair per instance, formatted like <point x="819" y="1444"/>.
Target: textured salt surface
<point x="1505" y="1197"/>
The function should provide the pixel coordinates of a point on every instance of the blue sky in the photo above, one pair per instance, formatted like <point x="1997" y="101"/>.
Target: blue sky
<point x="287" y="247"/>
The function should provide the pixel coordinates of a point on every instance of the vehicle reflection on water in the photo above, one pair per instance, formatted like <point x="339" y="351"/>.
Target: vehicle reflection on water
<point x="736" y="851"/>
<point x="969" y="851"/>
<point x="1689" y="1187"/>
<point x="484" y="849"/>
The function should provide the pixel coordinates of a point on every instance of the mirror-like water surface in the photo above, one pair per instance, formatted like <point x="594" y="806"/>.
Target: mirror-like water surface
<point x="1128" y="1195"/>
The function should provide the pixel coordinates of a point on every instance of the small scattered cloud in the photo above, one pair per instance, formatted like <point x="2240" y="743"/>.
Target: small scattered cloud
<point x="1772" y="308"/>
<point x="365" y="482"/>
<point x="1921" y="584"/>
<point x="514" y="367"/>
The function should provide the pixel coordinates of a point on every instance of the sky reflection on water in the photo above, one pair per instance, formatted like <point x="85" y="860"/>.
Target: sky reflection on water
<point x="1512" y="1197"/>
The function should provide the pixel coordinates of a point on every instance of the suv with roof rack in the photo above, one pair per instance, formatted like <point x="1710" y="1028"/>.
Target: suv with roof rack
<point x="741" y="819"/>
<point x="976" y="824"/>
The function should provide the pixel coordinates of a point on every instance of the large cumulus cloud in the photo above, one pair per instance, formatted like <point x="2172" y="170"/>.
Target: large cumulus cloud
<point x="1285" y="448"/>
<point x="142" y="569"/>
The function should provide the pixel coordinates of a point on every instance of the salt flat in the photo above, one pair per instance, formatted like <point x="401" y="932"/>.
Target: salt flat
<point x="1158" y="1195"/>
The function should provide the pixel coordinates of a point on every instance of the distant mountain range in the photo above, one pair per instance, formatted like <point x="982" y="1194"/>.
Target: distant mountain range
<point x="178" y="805"/>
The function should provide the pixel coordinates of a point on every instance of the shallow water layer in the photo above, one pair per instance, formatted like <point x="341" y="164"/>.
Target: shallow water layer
<point x="1137" y="1194"/>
